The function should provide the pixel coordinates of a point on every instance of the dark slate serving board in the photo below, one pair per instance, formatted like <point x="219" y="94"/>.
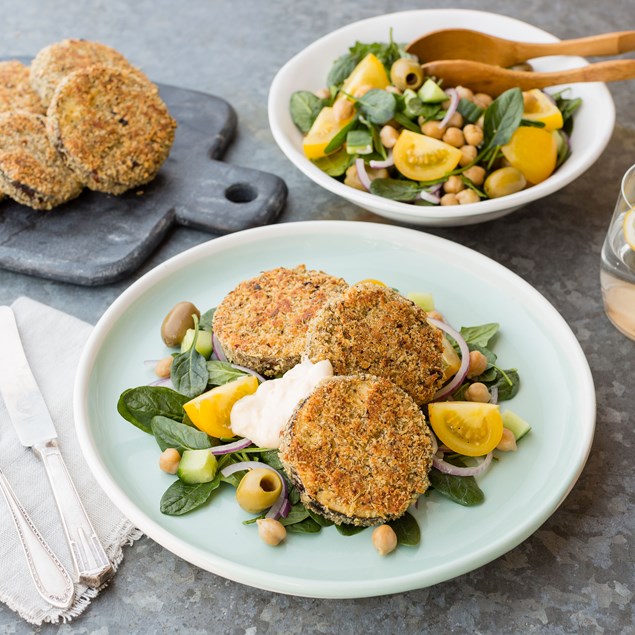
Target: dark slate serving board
<point x="97" y="238"/>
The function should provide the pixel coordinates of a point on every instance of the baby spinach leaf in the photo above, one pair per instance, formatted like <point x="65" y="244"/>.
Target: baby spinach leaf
<point x="461" y="489"/>
<point x="189" y="372"/>
<point x="139" y="405"/>
<point x="320" y="520"/>
<point x="395" y="189"/>
<point x="304" y="107"/>
<point x="219" y="373"/>
<point x="271" y="458"/>
<point x="181" y="498"/>
<point x="306" y="526"/>
<point x="469" y="110"/>
<point x="378" y="105"/>
<point x="349" y="530"/>
<point x="502" y="117"/>
<point x="297" y="514"/>
<point x="335" y="164"/>
<point x="205" y="323"/>
<point x="507" y="384"/>
<point x="407" y="529"/>
<point x="172" y="434"/>
<point x="342" y="67"/>
<point x="338" y="140"/>
<point x="387" y="53"/>
<point x="402" y="120"/>
<point x="479" y="335"/>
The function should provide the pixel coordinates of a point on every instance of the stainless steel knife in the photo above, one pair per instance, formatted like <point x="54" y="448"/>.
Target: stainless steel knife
<point x="35" y="429"/>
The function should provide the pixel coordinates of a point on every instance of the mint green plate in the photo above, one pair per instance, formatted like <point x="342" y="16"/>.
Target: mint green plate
<point x="522" y="489"/>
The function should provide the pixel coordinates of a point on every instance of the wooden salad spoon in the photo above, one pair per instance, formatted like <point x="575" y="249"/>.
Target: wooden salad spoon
<point x="464" y="44"/>
<point x="494" y="80"/>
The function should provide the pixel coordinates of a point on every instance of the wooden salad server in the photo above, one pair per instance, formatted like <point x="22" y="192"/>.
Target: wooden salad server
<point x="451" y="44"/>
<point x="494" y="80"/>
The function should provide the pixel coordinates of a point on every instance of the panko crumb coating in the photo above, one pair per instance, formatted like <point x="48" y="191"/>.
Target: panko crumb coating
<point x="358" y="449"/>
<point x="55" y="62"/>
<point x="111" y="129"/>
<point x="31" y="171"/>
<point x="374" y="329"/>
<point x="16" y="92"/>
<point x="263" y="322"/>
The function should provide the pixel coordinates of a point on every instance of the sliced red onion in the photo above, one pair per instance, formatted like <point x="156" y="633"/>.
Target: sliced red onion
<point x="249" y="371"/>
<point x="387" y="163"/>
<point x="454" y="102"/>
<point x="364" y="179"/>
<point x="429" y="197"/>
<point x="435" y="445"/>
<point x="218" y="349"/>
<point x="163" y="381"/>
<point x="493" y="395"/>
<point x="448" y="468"/>
<point x="241" y="444"/>
<point x="279" y="503"/>
<point x="457" y="380"/>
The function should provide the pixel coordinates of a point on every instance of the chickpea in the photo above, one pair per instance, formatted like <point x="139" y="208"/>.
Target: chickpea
<point x="384" y="539"/>
<point x="352" y="178"/>
<point x="507" y="442"/>
<point x="169" y="460"/>
<point x="271" y="531"/>
<point x="453" y="185"/>
<point x="393" y="89"/>
<point x="432" y="129"/>
<point x="468" y="154"/>
<point x="473" y="134"/>
<point x="482" y="100"/>
<point x="480" y="122"/>
<point x="468" y="196"/>
<point x="478" y="364"/>
<point x="454" y="137"/>
<point x="342" y="109"/>
<point x="446" y="104"/>
<point x="476" y="174"/>
<point x="323" y="93"/>
<point x="477" y="392"/>
<point x="388" y="136"/>
<point x="456" y="120"/>
<point x="449" y="199"/>
<point x="163" y="366"/>
<point x="362" y="90"/>
<point x="465" y="93"/>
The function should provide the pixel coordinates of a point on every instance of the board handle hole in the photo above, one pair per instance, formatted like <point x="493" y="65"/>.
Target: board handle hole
<point x="241" y="193"/>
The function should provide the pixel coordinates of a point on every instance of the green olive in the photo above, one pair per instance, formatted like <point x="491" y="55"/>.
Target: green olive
<point x="258" y="490"/>
<point x="406" y="73"/>
<point x="504" y="181"/>
<point x="177" y="322"/>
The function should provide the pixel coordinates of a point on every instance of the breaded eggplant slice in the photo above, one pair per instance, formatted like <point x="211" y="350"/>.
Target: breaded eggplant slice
<point x="31" y="171"/>
<point x="263" y="322"/>
<point x="111" y="130"/>
<point x="358" y="449"/>
<point x="56" y="61"/>
<point x="15" y="89"/>
<point x="373" y="329"/>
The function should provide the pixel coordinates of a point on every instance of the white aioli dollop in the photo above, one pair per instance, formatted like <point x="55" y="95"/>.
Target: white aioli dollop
<point x="262" y="416"/>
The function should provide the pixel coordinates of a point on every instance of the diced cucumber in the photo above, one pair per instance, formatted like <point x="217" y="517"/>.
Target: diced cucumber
<point x="412" y="104"/>
<point x="515" y="423"/>
<point x="424" y="300"/>
<point x="359" y="142"/>
<point x="431" y="92"/>
<point x="203" y="342"/>
<point x="197" y="466"/>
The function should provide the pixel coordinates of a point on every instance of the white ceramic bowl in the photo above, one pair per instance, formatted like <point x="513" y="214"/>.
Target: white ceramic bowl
<point x="308" y="70"/>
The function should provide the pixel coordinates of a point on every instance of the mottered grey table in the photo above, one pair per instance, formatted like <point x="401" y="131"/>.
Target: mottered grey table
<point x="575" y="574"/>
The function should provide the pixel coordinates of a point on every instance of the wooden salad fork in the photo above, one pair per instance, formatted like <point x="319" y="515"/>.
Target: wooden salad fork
<point x="465" y="44"/>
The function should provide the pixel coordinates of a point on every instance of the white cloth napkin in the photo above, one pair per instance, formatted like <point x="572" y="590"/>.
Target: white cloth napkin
<point x="53" y="342"/>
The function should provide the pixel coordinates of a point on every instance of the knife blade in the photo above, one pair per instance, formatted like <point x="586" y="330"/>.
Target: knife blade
<point x="34" y="427"/>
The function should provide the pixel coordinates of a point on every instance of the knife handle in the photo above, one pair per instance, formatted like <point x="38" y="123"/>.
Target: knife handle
<point x="51" y="579"/>
<point x="90" y="559"/>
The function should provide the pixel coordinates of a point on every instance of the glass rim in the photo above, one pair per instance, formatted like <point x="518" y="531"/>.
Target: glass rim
<point x="630" y="173"/>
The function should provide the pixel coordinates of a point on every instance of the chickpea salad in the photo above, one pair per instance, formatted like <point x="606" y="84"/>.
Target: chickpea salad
<point x="198" y="402"/>
<point x="379" y="125"/>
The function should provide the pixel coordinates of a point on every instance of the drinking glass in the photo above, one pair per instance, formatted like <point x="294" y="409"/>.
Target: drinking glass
<point x="617" y="268"/>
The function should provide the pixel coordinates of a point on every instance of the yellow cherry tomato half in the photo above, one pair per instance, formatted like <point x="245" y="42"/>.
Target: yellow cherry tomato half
<point x="210" y="412"/>
<point x="324" y="128"/>
<point x="467" y="427"/>
<point x="369" y="73"/>
<point x="423" y="158"/>
<point x="540" y="107"/>
<point x="533" y="151"/>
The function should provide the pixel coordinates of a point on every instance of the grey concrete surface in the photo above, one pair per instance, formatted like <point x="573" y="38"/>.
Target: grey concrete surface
<point x="575" y="574"/>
